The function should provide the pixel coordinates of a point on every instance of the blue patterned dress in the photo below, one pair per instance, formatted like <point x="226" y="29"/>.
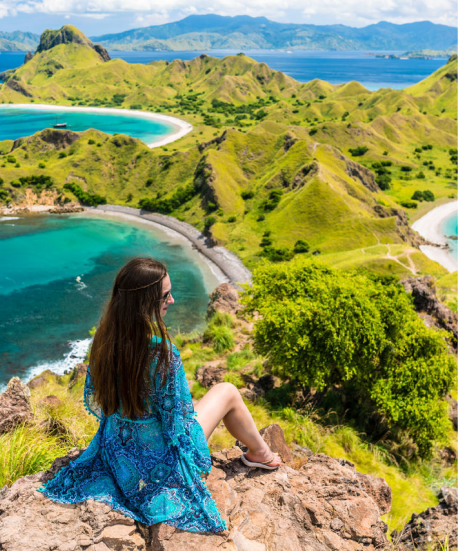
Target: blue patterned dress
<point x="149" y="469"/>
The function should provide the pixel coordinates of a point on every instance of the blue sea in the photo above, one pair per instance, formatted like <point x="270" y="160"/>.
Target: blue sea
<point x="18" y="122"/>
<point x="303" y="65"/>
<point x="450" y="228"/>
<point x="57" y="272"/>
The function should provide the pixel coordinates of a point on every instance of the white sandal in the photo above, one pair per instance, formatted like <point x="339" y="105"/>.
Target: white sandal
<point x="262" y="465"/>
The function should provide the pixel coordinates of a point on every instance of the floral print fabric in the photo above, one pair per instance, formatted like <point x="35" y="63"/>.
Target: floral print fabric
<point x="150" y="468"/>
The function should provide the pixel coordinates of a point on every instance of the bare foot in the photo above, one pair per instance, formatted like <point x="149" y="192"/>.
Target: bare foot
<point x="262" y="456"/>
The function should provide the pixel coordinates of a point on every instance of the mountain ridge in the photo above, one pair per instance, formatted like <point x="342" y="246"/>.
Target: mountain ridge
<point x="264" y="33"/>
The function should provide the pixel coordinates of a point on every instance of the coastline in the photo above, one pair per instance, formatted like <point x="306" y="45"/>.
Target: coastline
<point x="429" y="227"/>
<point x="224" y="264"/>
<point x="182" y="127"/>
<point x="226" y="261"/>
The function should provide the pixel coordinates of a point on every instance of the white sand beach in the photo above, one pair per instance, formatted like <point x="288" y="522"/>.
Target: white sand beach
<point x="181" y="127"/>
<point x="429" y="227"/>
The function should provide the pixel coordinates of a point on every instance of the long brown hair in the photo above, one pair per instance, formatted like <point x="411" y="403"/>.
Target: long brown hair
<point x="122" y="350"/>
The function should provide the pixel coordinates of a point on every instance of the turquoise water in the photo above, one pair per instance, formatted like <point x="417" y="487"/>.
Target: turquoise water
<point x="450" y="227"/>
<point x="19" y="122"/>
<point x="46" y="312"/>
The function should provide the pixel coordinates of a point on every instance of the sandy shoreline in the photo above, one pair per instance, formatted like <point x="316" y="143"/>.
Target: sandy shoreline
<point x="429" y="227"/>
<point x="224" y="264"/>
<point x="226" y="261"/>
<point x="182" y="127"/>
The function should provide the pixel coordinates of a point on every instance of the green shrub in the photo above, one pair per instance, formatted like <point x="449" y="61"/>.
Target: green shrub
<point x="420" y="175"/>
<point x="15" y="183"/>
<point x="281" y="254"/>
<point x="428" y="195"/>
<point x="11" y="159"/>
<point x="323" y="327"/>
<point x="41" y="165"/>
<point x="406" y="168"/>
<point x="232" y="219"/>
<point x="165" y="206"/>
<point x="383" y="181"/>
<point x="235" y="379"/>
<point x="237" y="360"/>
<point x="418" y="196"/>
<point x="220" y="336"/>
<point x="409" y="204"/>
<point x="25" y="450"/>
<point x="301" y="246"/>
<point x="85" y="198"/>
<point x="209" y="221"/>
<point x="247" y="195"/>
<point x="91" y="141"/>
<point x="62" y="155"/>
<point x="359" y="151"/>
<point x="313" y="131"/>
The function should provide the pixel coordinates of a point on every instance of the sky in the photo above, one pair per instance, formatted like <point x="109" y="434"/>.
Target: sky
<point x="96" y="17"/>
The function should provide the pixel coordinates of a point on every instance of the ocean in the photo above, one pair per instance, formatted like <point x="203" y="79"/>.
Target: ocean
<point x="303" y="65"/>
<point x="449" y="228"/>
<point x="57" y="273"/>
<point x="19" y="122"/>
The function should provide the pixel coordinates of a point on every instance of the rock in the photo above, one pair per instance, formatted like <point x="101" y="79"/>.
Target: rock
<point x="225" y="298"/>
<point x="216" y="141"/>
<point x="79" y="371"/>
<point x="433" y="526"/>
<point x="14" y="405"/>
<point x="275" y="439"/>
<point x="42" y="379"/>
<point x="50" y="401"/>
<point x="66" y="210"/>
<point x="452" y="410"/>
<point x="323" y="506"/>
<point x="28" y="57"/>
<point x="378" y="489"/>
<point x="209" y="375"/>
<point x="18" y="87"/>
<point x="103" y="53"/>
<point x="363" y="174"/>
<point x="424" y="298"/>
<point x="58" y="139"/>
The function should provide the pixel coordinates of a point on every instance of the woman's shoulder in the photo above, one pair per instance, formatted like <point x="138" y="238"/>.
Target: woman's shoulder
<point x="156" y="339"/>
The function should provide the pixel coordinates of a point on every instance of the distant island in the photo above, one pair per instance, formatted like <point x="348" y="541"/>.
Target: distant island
<point x="420" y="54"/>
<point x="242" y="32"/>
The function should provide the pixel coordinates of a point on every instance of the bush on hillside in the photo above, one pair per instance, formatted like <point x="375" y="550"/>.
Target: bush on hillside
<point x="322" y="327"/>
<point x="359" y="151"/>
<point x="301" y="246"/>
<point x="182" y="195"/>
<point x="409" y="204"/>
<point x="85" y="198"/>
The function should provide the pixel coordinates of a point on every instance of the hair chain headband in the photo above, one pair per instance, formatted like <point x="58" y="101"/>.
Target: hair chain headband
<point x="144" y="286"/>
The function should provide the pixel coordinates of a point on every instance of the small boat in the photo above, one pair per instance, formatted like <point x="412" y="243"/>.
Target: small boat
<point x="60" y="125"/>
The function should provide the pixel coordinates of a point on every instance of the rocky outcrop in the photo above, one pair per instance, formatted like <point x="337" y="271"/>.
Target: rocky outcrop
<point x="28" y="57"/>
<point x="209" y="375"/>
<point x="58" y="139"/>
<point x="406" y="233"/>
<point x="65" y="210"/>
<point x="18" y="87"/>
<point x="78" y="373"/>
<point x="14" y="405"/>
<point x="216" y="141"/>
<point x="362" y="174"/>
<point x="42" y="379"/>
<point x="304" y="174"/>
<point x="432" y="528"/>
<point x="323" y="506"/>
<point x="225" y="298"/>
<point x="103" y="53"/>
<point x="68" y="35"/>
<point x="425" y="301"/>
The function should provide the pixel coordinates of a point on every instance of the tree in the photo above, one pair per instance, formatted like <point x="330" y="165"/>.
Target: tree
<point x="322" y="327"/>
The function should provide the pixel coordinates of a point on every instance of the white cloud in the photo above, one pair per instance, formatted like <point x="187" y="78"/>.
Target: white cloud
<point x="349" y="12"/>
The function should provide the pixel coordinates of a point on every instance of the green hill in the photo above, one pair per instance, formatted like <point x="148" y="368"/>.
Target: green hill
<point x="334" y="166"/>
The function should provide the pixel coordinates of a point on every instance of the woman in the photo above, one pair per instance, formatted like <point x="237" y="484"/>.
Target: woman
<point x="148" y="454"/>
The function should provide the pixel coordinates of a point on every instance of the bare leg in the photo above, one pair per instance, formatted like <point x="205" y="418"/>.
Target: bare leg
<point x="223" y="402"/>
